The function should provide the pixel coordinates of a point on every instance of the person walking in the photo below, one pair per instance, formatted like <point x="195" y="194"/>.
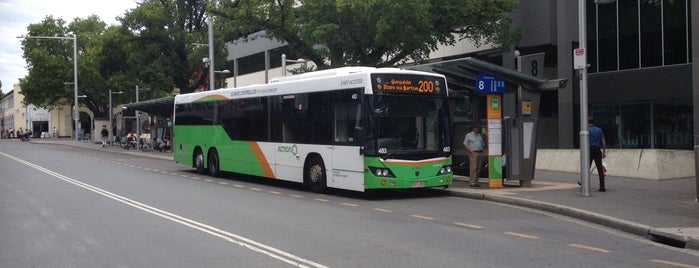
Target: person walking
<point x="105" y="135"/>
<point x="598" y="150"/>
<point x="473" y="142"/>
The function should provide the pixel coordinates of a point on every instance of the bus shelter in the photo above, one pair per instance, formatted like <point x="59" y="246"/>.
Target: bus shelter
<point x="159" y="117"/>
<point x="520" y="106"/>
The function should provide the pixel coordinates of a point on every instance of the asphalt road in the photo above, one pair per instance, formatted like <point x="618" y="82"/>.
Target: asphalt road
<point x="63" y="206"/>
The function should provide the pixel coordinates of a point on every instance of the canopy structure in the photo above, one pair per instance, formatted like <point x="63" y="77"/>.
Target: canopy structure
<point x="462" y="73"/>
<point x="159" y="107"/>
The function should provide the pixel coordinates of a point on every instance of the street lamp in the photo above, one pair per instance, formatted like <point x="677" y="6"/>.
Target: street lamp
<point x="110" y="114"/>
<point x="74" y="37"/>
<point x="584" y="133"/>
<point x="284" y="61"/>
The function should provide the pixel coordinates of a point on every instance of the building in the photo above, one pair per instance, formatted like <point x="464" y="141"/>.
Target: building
<point x="12" y="112"/>
<point x="14" y="115"/>
<point x="640" y="71"/>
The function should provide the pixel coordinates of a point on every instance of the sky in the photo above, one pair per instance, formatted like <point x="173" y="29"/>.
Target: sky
<point x="16" y="15"/>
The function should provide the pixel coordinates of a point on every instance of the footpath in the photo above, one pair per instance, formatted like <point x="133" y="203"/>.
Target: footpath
<point x="664" y="211"/>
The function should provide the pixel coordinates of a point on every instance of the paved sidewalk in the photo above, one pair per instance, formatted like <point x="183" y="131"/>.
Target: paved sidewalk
<point x="662" y="210"/>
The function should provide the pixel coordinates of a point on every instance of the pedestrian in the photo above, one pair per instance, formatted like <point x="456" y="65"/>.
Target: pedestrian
<point x="105" y="135"/>
<point x="474" y="144"/>
<point x="20" y="134"/>
<point x="55" y="133"/>
<point x="598" y="150"/>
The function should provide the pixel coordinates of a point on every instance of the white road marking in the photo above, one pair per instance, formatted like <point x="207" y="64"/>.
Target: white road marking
<point x="230" y="237"/>
<point x="600" y="250"/>
<point x="521" y="235"/>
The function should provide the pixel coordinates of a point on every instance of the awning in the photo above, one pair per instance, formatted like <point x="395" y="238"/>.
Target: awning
<point x="462" y="74"/>
<point x="159" y="107"/>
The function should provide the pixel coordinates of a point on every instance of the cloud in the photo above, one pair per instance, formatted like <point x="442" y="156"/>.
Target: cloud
<point x="16" y="15"/>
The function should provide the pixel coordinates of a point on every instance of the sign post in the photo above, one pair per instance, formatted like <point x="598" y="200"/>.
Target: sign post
<point x="494" y="88"/>
<point x="494" y="140"/>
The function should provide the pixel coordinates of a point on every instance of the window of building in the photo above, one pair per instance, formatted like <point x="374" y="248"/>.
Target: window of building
<point x="628" y="34"/>
<point x="651" y="34"/>
<point x="661" y="124"/>
<point x="607" y="38"/>
<point x="675" y="32"/>
<point x="633" y="34"/>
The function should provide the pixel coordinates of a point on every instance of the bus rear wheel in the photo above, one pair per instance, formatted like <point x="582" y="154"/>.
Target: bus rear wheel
<point x="199" y="161"/>
<point x="314" y="175"/>
<point x="214" y="169"/>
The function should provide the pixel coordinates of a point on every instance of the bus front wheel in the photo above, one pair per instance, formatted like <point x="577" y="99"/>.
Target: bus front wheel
<point x="214" y="169"/>
<point x="199" y="161"/>
<point x="314" y="175"/>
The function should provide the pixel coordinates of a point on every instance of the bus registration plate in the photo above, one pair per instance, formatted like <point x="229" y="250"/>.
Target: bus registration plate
<point x="417" y="184"/>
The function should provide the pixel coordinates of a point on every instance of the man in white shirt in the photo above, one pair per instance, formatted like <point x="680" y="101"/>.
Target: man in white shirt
<point x="473" y="142"/>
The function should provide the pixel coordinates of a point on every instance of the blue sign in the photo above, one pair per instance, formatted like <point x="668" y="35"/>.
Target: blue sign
<point x="486" y="83"/>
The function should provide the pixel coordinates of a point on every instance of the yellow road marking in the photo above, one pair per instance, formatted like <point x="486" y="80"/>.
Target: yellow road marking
<point x="421" y="217"/>
<point x="677" y="264"/>
<point x="256" y="189"/>
<point x="383" y="210"/>
<point x="349" y="204"/>
<point x="184" y="176"/>
<point x="173" y="174"/>
<point x="274" y="192"/>
<point x="321" y="200"/>
<point x="222" y="183"/>
<point x="164" y="172"/>
<point x="239" y="186"/>
<point x="155" y="170"/>
<point x="209" y="180"/>
<point x="196" y="178"/>
<point x="522" y="235"/>
<point x="468" y="225"/>
<point x="601" y="250"/>
<point x="295" y="195"/>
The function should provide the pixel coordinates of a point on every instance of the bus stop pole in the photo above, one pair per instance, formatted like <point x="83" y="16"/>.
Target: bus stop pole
<point x="584" y="134"/>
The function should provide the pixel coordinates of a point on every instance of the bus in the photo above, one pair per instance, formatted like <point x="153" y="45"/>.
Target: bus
<point x="353" y="128"/>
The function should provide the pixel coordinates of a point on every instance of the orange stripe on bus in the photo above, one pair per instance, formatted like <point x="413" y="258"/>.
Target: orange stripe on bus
<point x="266" y="169"/>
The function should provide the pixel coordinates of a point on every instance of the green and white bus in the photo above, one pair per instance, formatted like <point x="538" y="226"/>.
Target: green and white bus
<point x="354" y="128"/>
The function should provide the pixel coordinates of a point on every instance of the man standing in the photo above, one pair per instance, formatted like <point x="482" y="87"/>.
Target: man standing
<point x="105" y="135"/>
<point x="473" y="142"/>
<point x="598" y="149"/>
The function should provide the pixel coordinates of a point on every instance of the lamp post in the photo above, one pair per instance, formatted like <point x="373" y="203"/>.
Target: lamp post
<point x="110" y="114"/>
<point x="211" y="52"/>
<point x="584" y="133"/>
<point x="75" y="72"/>
<point x="284" y="61"/>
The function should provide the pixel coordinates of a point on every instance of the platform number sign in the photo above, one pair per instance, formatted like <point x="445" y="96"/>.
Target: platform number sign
<point x="532" y="64"/>
<point x="487" y="83"/>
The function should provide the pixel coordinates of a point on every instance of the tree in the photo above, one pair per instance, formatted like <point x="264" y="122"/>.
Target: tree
<point x="335" y="33"/>
<point x="50" y="64"/>
<point x="164" y="48"/>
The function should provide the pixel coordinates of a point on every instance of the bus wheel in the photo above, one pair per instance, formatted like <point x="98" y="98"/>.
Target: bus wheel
<point x="214" y="169"/>
<point x="314" y="175"/>
<point x="199" y="161"/>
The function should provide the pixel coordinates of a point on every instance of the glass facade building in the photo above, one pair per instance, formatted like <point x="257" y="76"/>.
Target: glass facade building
<point x="633" y="39"/>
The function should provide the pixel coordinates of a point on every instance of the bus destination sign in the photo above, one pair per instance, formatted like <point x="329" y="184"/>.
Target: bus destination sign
<point x="401" y="84"/>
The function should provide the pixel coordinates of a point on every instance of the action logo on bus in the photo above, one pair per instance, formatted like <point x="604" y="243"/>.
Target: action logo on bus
<point x="403" y="84"/>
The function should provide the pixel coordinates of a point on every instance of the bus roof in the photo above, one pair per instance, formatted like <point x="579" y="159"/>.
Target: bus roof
<point x="343" y="78"/>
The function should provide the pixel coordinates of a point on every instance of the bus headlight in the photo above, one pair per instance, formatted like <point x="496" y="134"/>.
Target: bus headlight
<point x="381" y="172"/>
<point x="445" y="170"/>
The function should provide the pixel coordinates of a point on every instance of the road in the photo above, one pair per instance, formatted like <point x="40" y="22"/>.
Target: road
<point x="63" y="206"/>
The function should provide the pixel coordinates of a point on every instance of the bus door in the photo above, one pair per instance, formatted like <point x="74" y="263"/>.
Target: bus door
<point x="347" y="157"/>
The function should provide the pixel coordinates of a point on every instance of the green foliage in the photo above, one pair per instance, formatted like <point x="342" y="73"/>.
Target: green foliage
<point x="335" y="33"/>
<point x="153" y="48"/>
